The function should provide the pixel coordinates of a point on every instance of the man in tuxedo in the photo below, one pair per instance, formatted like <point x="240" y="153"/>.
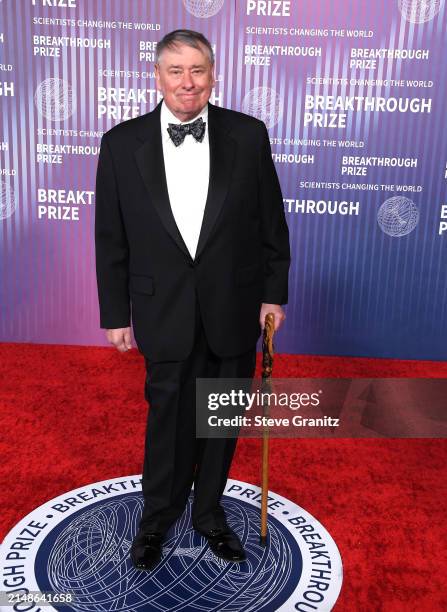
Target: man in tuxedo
<point x="192" y="247"/>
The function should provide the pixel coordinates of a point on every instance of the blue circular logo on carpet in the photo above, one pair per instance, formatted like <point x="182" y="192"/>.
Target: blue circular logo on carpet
<point x="74" y="551"/>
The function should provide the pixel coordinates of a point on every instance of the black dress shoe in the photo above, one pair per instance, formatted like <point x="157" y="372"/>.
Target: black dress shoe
<point x="225" y="544"/>
<point x="145" y="551"/>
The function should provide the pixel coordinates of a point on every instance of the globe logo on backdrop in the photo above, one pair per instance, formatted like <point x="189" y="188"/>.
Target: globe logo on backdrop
<point x="263" y="103"/>
<point x="419" y="11"/>
<point x="83" y="550"/>
<point x="398" y="216"/>
<point x="203" y="8"/>
<point x="54" y="99"/>
<point x="7" y="200"/>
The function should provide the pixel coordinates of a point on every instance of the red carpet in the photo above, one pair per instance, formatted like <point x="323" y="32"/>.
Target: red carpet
<point x="75" y="415"/>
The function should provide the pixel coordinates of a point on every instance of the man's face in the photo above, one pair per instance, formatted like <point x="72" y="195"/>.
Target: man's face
<point x="185" y="77"/>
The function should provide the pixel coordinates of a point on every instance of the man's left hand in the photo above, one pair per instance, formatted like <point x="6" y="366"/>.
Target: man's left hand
<point x="276" y="310"/>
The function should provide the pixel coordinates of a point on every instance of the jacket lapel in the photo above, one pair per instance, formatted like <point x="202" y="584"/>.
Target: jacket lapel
<point x="222" y="150"/>
<point x="149" y="158"/>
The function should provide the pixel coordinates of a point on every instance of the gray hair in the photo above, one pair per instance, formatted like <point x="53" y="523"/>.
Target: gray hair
<point x="183" y="37"/>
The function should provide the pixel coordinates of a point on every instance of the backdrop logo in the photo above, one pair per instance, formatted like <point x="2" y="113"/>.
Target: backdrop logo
<point x="54" y="99"/>
<point x="7" y="200"/>
<point x="79" y="543"/>
<point x="398" y="216"/>
<point x="203" y="8"/>
<point x="419" y="11"/>
<point x="263" y="103"/>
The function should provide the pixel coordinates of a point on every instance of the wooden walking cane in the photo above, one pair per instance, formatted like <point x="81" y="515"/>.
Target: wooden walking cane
<point x="267" y="366"/>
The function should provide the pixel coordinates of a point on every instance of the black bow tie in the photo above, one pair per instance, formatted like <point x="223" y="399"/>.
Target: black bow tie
<point x="178" y="131"/>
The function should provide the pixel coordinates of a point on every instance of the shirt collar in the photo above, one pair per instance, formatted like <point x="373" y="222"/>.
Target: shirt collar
<point x="166" y="117"/>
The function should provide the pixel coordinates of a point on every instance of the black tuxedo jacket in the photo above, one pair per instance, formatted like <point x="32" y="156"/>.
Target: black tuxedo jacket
<point x="144" y="270"/>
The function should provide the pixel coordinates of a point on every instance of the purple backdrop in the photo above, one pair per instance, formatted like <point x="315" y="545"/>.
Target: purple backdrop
<point x="353" y="94"/>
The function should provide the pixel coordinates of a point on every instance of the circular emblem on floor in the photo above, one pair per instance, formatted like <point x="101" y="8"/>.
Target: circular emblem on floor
<point x="74" y="550"/>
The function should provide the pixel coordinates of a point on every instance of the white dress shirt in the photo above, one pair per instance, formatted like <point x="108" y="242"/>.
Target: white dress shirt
<point x="187" y="175"/>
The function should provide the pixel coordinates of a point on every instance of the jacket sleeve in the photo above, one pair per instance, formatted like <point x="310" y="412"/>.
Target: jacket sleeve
<point x="111" y="246"/>
<point x="275" y="233"/>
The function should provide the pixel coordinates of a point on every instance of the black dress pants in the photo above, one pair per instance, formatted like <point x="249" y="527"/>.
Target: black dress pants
<point x="174" y="458"/>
